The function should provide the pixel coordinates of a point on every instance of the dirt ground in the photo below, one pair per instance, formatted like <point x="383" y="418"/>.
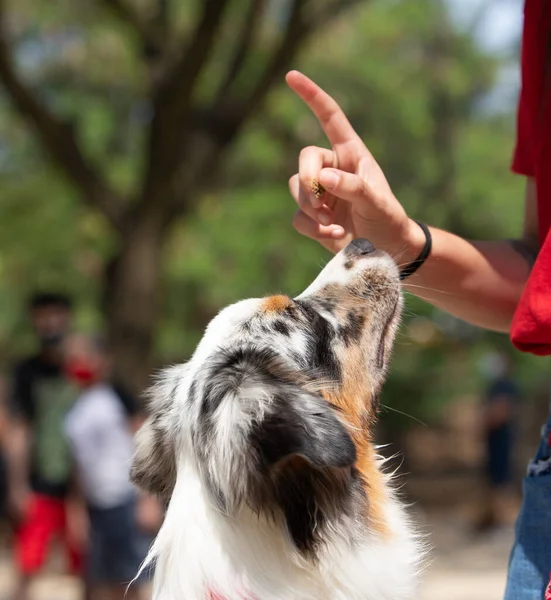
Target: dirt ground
<point x="461" y="567"/>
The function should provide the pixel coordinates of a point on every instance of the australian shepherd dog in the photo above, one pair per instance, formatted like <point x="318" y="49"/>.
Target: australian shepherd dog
<point x="262" y="445"/>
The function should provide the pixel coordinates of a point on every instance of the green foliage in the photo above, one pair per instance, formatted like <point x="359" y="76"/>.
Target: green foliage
<point x="393" y="66"/>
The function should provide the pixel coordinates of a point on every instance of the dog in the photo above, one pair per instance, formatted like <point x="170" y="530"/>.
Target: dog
<point x="262" y="447"/>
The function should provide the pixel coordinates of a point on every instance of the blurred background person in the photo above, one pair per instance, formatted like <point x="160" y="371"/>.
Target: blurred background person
<point x="100" y="430"/>
<point x="4" y="428"/>
<point x="500" y="415"/>
<point x="38" y="457"/>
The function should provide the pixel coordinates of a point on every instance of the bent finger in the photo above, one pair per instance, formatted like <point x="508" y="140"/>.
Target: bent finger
<point x="346" y="186"/>
<point x="322" y="215"/>
<point x="311" y="161"/>
<point x="312" y="229"/>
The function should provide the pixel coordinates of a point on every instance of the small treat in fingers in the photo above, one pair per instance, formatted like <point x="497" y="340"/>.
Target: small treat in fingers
<point x="317" y="189"/>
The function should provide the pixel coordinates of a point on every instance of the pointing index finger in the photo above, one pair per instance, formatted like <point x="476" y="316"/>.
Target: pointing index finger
<point x="327" y="111"/>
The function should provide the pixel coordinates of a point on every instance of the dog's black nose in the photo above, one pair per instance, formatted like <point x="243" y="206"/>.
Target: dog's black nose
<point x="359" y="247"/>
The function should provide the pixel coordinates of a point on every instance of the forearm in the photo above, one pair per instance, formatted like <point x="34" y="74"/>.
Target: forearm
<point x="17" y="455"/>
<point x="479" y="282"/>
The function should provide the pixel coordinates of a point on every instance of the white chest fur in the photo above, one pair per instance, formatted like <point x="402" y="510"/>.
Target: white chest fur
<point x="250" y="558"/>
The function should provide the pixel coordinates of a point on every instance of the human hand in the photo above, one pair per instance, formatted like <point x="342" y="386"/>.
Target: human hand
<point x="357" y="201"/>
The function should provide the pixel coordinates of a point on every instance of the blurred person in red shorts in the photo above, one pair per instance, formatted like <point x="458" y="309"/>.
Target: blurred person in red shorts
<point x="39" y="462"/>
<point x="5" y="529"/>
<point x="4" y="428"/>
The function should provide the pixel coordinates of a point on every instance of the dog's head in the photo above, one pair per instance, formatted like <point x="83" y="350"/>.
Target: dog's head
<point x="273" y="411"/>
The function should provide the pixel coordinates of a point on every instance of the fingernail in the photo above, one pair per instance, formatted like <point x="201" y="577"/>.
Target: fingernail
<point x="329" y="179"/>
<point x="324" y="218"/>
<point x="337" y="232"/>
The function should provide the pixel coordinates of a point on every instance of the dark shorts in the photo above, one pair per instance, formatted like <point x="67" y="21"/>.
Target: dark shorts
<point x="117" y="546"/>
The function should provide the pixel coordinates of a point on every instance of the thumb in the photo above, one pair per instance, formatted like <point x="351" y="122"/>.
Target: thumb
<point x="343" y="185"/>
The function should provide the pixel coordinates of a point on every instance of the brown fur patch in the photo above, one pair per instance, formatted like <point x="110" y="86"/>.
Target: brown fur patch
<point x="275" y="304"/>
<point x="375" y="488"/>
<point x="356" y="403"/>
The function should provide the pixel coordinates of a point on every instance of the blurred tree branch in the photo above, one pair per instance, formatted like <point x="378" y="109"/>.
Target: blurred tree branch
<point x="328" y="11"/>
<point x="57" y="137"/>
<point x="245" y="39"/>
<point x="172" y="98"/>
<point x="152" y="40"/>
<point x="227" y="114"/>
<point x="222" y="121"/>
<point x="162" y="15"/>
<point x="298" y="28"/>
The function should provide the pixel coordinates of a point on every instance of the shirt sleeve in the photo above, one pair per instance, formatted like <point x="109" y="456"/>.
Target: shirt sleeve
<point x="523" y="162"/>
<point x="523" y="156"/>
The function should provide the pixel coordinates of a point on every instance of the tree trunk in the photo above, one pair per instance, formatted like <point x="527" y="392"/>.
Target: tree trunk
<point x="131" y="298"/>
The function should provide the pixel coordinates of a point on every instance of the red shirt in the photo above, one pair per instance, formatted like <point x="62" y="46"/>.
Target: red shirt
<point x="531" y="327"/>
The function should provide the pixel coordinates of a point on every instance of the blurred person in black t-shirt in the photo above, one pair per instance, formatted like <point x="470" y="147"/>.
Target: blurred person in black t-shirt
<point x="3" y="435"/>
<point x="38" y="457"/>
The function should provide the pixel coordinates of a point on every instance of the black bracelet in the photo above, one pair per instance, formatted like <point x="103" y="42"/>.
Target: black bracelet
<point x="425" y="253"/>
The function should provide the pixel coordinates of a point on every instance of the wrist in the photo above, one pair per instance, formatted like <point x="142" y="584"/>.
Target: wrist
<point x="406" y="247"/>
<point x="415" y="240"/>
<point x="410" y="269"/>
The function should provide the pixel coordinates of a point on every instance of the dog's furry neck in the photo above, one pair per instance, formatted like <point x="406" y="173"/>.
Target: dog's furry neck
<point x="249" y="558"/>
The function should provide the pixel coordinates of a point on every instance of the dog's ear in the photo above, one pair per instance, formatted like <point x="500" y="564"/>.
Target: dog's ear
<point x="154" y="462"/>
<point x="250" y="393"/>
<point x="304" y="425"/>
<point x="254" y="414"/>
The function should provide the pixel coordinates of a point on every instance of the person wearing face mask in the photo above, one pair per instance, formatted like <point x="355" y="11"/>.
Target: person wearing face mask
<point x="38" y="457"/>
<point x="100" y="428"/>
